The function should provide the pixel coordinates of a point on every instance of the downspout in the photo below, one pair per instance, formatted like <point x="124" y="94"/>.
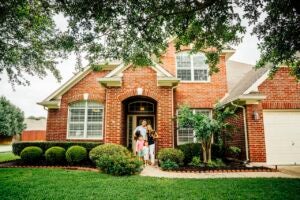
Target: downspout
<point x="245" y="129"/>
<point x="173" y="138"/>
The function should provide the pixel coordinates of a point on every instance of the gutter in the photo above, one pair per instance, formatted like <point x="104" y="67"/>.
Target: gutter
<point x="245" y="130"/>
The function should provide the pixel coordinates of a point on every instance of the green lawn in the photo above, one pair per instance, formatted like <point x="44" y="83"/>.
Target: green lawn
<point x="7" y="156"/>
<point x="67" y="184"/>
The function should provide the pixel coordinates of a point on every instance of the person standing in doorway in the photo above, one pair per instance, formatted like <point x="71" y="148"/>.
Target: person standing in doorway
<point x="152" y="136"/>
<point x="140" y="130"/>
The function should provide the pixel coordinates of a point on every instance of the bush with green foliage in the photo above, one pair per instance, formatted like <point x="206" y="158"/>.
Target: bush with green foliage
<point x="171" y="154"/>
<point x="190" y="150"/>
<point x="169" y="165"/>
<point x="119" y="164"/>
<point x="55" y="155"/>
<point x="76" y="154"/>
<point x="107" y="149"/>
<point x="216" y="163"/>
<point x="234" y="151"/>
<point x="196" y="162"/>
<point x="11" y="118"/>
<point x="19" y="146"/>
<point x="31" y="155"/>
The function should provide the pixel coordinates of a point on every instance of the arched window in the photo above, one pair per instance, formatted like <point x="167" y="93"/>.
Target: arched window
<point x="192" y="67"/>
<point x="85" y="120"/>
<point x="141" y="107"/>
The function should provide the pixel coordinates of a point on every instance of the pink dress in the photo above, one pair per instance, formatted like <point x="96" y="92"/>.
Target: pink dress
<point x="139" y="147"/>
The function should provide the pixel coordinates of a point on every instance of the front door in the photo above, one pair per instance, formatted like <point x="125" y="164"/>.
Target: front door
<point x="132" y="122"/>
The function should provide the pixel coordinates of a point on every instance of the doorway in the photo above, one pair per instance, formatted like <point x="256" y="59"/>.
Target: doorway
<point x="136" y="109"/>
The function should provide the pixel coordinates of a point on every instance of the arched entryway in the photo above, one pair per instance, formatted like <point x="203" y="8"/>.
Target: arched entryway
<point x="135" y="109"/>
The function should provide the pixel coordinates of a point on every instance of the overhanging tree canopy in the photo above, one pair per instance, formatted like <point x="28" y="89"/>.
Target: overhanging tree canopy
<point x="134" y="30"/>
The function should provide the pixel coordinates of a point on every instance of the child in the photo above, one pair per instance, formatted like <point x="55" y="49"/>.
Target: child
<point x="146" y="153"/>
<point x="139" y="147"/>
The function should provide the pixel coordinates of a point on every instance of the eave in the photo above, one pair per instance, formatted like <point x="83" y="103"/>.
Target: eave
<point x="54" y="104"/>
<point x="167" y="81"/>
<point x="111" y="82"/>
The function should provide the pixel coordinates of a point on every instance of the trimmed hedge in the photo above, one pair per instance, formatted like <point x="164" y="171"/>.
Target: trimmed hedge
<point x="170" y="154"/>
<point x="19" y="146"/>
<point x="31" y="154"/>
<point x="107" y="149"/>
<point x="119" y="164"/>
<point x="55" y="155"/>
<point x="76" y="154"/>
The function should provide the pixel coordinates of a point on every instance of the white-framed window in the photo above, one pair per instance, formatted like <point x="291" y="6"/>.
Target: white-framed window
<point x="187" y="135"/>
<point x="85" y="120"/>
<point x="192" y="67"/>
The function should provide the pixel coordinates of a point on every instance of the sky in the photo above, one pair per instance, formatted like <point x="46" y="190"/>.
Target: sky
<point x="26" y="97"/>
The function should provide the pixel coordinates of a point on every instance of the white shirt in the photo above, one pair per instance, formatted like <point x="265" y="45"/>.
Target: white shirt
<point x="142" y="130"/>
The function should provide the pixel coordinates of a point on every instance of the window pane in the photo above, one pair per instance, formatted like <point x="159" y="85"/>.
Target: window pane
<point x="77" y="115"/>
<point x="95" y="115"/>
<point x="94" y="130"/>
<point x="200" y="74"/>
<point x="199" y="61"/>
<point x="205" y="112"/>
<point x="76" y="130"/>
<point x="183" y="61"/>
<point x="185" y="135"/>
<point x="184" y="74"/>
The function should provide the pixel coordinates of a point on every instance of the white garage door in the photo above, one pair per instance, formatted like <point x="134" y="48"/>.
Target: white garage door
<point x="282" y="135"/>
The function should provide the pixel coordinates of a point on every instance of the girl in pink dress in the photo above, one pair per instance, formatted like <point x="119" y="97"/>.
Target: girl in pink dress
<point x="139" y="147"/>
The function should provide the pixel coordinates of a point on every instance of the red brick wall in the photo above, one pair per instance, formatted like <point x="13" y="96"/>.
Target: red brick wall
<point x="197" y="95"/>
<point x="283" y="91"/>
<point x="33" y="135"/>
<point x="256" y="136"/>
<point x="57" y="118"/>
<point x="134" y="78"/>
<point x="238" y="134"/>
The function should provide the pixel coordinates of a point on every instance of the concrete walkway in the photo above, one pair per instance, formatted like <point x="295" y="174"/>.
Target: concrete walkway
<point x="155" y="171"/>
<point x="5" y="148"/>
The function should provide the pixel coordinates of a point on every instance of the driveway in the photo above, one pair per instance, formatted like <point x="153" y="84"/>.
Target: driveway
<point x="5" y="148"/>
<point x="293" y="170"/>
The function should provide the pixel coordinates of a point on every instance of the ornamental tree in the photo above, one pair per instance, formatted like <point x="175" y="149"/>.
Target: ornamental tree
<point x="11" y="118"/>
<point x="205" y="127"/>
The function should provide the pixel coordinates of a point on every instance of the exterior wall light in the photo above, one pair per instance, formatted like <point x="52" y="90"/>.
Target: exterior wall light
<point x="85" y="96"/>
<point x="256" y="116"/>
<point x="139" y="91"/>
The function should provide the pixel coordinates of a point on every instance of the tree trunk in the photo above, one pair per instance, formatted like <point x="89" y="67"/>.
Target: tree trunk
<point x="204" y="153"/>
<point x="209" y="151"/>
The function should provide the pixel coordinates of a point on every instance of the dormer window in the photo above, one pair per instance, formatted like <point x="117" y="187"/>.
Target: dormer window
<point x="192" y="67"/>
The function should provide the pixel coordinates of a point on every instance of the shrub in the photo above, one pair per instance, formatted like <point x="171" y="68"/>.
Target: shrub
<point x="196" y="162"/>
<point x="234" y="151"/>
<point x="190" y="151"/>
<point x="169" y="165"/>
<point x="31" y="154"/>
<point x="76" y="154"/>
<point x="107" y="149"/>
<point x="19" y="146"/>
<point x="119" y="164"/>
<point x="55" y="155"/>
<point x="216" y="163"/>
<point x="171" y="154"/>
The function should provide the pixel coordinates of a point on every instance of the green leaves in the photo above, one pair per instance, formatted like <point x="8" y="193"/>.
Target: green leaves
<point x="11" y="118"/>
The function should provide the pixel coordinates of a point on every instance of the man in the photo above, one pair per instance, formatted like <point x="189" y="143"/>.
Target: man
<point x="143" y="129"/>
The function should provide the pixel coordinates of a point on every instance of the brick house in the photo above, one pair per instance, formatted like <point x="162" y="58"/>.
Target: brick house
<point x="107" y="105"/>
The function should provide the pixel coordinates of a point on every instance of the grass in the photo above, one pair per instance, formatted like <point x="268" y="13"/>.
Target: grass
<point x="8" y="156"/>
<point x="67" y="184"/>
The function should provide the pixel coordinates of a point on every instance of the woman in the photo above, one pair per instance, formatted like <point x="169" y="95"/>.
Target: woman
<point x="152" y="136"/>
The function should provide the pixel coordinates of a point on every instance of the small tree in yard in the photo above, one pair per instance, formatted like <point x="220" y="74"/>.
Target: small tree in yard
<point x="205" y="127"/>
<point x="11" y="118"/>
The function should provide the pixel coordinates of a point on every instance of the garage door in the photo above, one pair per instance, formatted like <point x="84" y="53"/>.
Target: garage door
<point x="282" y="135"/>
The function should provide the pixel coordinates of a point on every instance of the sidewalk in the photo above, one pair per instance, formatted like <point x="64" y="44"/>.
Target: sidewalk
<point x="155" y="171"/>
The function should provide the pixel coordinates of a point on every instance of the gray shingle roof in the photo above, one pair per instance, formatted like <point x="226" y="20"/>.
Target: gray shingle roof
<point x="246" y="82"/>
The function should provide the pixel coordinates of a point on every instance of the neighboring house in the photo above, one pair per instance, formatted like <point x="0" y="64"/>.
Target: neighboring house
<point x="107" y="105"/>
<point x="35" y="129"/>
